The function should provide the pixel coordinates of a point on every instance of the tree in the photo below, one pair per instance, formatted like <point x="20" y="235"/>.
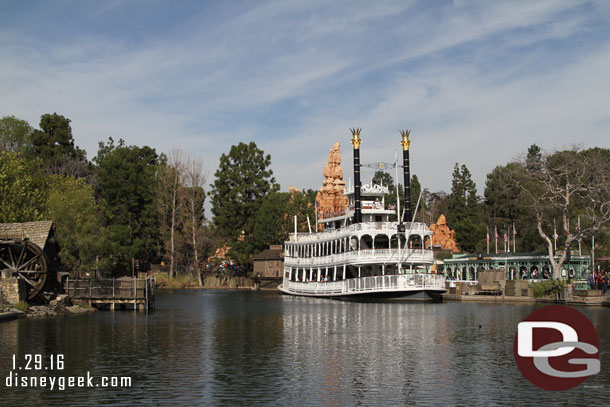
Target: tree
<point x="300" y="205"/>
<point x="54" y="145"/>
<point x="274" y="220"/>
<point x="464" y="212"/>
<point x="416" y="190"/>
<point x="504" y="208"/>
<point x="270" y="223"/>
<point x="194" y="199"/>
<point x="566" y="185"/>
<point x="76" y="215"/>
<point x="437" y="203"/>
<point x="14" y="134"/>
<point x="125" y="181"/>
<point x="23" y="189"/>
<point x="243" y="180"/>
<point x="170" y="182"/>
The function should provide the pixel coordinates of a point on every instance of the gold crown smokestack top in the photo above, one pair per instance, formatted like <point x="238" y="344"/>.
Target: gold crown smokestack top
<point x="406" y="143"/>
<point x="356" y="140"/>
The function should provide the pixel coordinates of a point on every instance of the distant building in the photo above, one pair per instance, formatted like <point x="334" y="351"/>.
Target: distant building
<point x="516" y="266"/>
<point x="269" y="263"/>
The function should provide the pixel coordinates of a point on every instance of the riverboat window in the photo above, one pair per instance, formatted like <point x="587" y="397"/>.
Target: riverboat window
<point x="427" y="242"/>
<point x="390" y="269"/>
<point x="382" y="242"/>
<point x="353" y="245"/>
<point x="366" y="242"/>
<point x="415" y="242"/>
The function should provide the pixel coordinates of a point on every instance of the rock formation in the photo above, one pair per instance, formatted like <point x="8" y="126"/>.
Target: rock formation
<point x="330" y="199"/>
<point x="443" y="236"/>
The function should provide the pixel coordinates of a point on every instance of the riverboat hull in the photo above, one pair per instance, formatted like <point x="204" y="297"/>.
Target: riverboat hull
<point x="380" y="296"/>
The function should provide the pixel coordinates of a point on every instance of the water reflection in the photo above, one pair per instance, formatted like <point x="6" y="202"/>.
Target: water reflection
<point x="247" y="348"/>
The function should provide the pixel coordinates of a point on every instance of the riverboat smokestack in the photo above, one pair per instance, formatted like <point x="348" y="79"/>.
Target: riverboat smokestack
<point x="406" y="172"/>
<point x="356" y="143"/>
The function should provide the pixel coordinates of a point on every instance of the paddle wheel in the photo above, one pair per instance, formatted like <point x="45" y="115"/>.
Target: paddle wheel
<point x="22" y="258"/>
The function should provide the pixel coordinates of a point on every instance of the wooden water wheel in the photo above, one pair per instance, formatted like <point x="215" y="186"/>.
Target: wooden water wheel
<point x="26" y="260"/>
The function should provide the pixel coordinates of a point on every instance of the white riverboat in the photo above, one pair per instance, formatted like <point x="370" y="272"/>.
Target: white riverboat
<point x="361" y="254"/>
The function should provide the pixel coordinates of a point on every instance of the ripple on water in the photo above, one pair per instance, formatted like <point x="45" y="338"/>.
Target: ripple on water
<point x="247" y="348"/>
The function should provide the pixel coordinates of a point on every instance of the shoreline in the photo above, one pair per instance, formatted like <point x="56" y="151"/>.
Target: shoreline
<point x="11" y="315"/>
<point x="43" y="311"/>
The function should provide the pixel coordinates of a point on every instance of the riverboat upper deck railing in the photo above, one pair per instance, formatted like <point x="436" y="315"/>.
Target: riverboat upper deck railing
<point x="409" y="282"/>
<point x="390" y="227"/>
<point x="367" y="256"/>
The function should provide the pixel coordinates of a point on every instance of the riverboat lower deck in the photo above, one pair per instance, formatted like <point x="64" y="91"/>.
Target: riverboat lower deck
<point x="410" y="286"/>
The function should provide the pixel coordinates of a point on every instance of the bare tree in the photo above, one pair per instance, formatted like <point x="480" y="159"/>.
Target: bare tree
<point x="565" y="185"/>
<point x="194" y="197"/>
<point x="170" y="182"/>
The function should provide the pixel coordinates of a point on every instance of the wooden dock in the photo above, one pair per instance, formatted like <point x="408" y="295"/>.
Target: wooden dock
<point x="132" y="293"/>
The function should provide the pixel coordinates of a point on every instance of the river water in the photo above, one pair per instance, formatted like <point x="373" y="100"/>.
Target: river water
<point x="261" y="348"/>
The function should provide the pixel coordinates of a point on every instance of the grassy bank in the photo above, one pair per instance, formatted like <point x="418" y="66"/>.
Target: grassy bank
<point x="210" y="281"/>
<point x="180" y="281"/>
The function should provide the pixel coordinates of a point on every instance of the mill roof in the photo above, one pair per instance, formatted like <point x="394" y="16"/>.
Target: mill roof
<point x="37" y="232"/>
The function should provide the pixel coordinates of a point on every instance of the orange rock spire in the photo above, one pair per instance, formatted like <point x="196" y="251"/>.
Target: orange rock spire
<point x="330" y="199"/>
<point x="443" y="236"/>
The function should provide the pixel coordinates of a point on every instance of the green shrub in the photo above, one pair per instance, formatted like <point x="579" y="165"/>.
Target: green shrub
<point x="82" y="304"/>
<point x="21" y="306"/>
<point x="548" y="287"/>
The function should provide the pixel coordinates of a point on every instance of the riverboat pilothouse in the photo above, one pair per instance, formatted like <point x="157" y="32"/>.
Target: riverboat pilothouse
<point x="361" y="253"/>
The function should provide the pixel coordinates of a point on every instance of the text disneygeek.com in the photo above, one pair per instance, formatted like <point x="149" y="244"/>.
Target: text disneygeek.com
<point x="18" y="377"/>
<point x="65" y="382"/>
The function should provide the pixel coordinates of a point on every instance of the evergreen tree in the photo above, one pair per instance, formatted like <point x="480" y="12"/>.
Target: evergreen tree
<point x="126" y="183"/>
<point x="270" y="221"/>
<point x="464" y="211"/>
<point x="54" y="145"/>
<point x="243" y="180"/>
<point x="504" y="207"/>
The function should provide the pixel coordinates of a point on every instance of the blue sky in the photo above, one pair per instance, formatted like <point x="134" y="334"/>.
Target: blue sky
<point x="477" y="82"/>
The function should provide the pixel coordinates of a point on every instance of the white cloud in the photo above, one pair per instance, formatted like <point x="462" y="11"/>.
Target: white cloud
<point x="476" y="82"/>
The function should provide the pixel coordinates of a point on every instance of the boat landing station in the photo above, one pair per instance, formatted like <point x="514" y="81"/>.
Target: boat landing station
<point x="516" y="266"/>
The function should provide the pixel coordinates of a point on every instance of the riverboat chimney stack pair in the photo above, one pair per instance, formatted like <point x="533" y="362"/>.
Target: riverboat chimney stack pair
<point x="356" y="140"/>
